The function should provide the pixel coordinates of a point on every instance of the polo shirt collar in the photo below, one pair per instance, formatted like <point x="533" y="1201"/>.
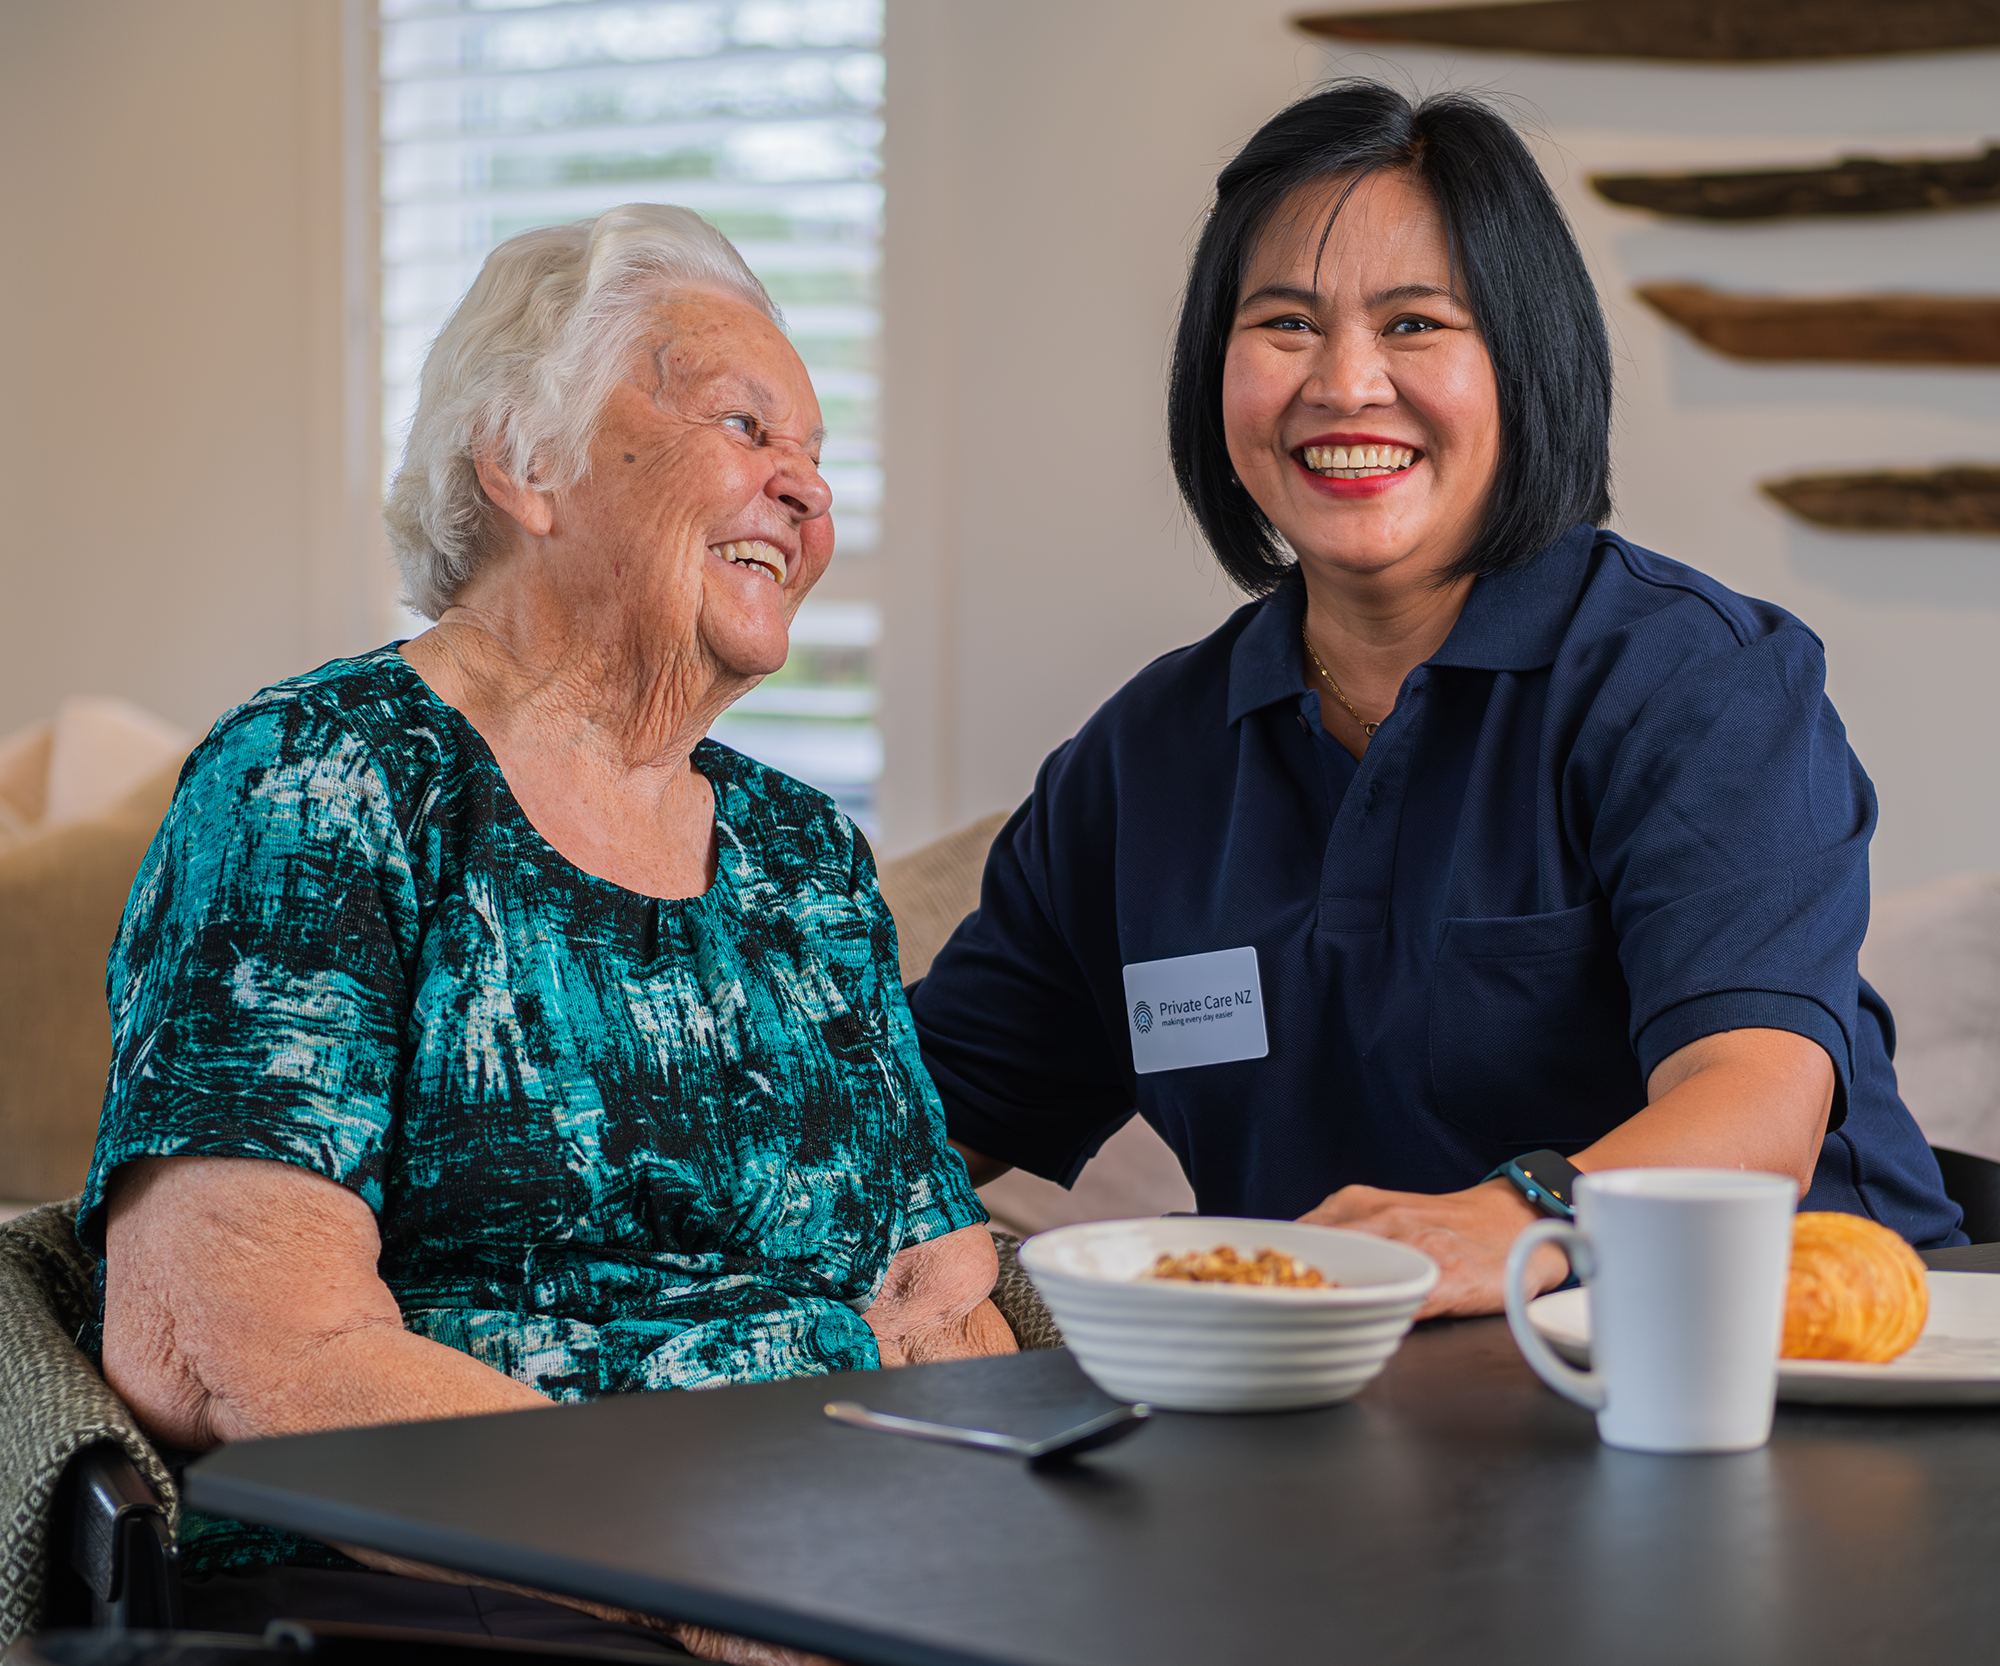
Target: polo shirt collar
<point x="1512" y="621"/>
<point x="1516" y="621"/>
<point x="1265" y="665"/>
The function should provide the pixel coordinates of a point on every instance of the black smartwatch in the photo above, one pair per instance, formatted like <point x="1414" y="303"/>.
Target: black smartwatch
<point x="1547" y="1180"/>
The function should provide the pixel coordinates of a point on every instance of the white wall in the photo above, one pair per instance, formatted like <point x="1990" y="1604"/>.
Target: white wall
<point x="1911" y="624"/>
<point x="1048" y="163"/>
<point x="184" y="417"/>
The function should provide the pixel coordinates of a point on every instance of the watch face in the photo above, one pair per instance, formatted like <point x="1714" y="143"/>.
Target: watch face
<point x="1552" y="1187"/>
<point x="1550" y="1173"/>
<point x="1544" y="1178"/>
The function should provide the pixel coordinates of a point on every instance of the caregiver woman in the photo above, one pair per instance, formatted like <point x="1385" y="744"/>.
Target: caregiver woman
<point x="1482" y="830"/>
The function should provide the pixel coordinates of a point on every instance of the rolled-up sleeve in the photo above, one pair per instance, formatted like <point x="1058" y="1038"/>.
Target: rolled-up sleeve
<point x="1730" y="834"/>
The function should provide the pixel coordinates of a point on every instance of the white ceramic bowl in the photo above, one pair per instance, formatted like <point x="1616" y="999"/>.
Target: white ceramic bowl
<point x="1227" y="1347"/>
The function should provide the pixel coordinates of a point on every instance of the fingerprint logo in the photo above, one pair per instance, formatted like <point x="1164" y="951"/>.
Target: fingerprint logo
<point x="1142" y="1018"/>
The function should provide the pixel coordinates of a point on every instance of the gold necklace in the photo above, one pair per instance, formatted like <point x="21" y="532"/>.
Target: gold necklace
<point x="1367" y="728"/>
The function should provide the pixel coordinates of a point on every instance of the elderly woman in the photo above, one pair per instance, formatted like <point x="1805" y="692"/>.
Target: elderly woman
<point x="484" y="1036"/>
<point x="1486" y="847"/>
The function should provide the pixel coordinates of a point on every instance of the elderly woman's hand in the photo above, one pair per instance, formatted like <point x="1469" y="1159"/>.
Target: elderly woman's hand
<point x="934" y="1302"/>
<point x="705" y="1644"/>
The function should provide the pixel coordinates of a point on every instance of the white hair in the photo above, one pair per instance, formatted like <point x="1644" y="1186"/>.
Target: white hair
<point x="522" y="370"/>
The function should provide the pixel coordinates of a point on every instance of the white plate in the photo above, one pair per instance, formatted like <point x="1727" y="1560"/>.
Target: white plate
<point x="1956" y="1362"/>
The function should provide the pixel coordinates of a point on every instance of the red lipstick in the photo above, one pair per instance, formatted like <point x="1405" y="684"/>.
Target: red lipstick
<point x="1373" y="485"/>
<point x="1356" y="439"/>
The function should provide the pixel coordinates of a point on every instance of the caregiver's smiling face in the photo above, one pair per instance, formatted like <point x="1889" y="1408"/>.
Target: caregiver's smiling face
<point x="1359" y="401"/>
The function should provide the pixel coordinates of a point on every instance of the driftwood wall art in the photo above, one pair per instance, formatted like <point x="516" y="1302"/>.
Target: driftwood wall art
<point x="1855" y="185"/>
<point x="1728" y="31"/>
<point x="1936" y="500"/>
<point x="1847" y="329"/>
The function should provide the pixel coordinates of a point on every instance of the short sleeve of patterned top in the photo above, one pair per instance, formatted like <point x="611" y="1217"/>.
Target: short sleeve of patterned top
<point x="613" y="1142"/>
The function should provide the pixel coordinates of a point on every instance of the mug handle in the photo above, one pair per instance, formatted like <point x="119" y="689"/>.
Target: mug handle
<point x="1586" y="1388"/>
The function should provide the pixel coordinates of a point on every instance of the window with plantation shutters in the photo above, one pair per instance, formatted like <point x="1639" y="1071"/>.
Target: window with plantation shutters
<point x="765" y="117"/>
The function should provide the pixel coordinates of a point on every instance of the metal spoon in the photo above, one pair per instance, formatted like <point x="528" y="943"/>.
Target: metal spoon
<point x="1102" y="1430"/>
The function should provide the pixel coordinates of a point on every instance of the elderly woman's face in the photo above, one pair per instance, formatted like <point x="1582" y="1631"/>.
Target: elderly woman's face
<point x="1358" y="400"/>
<point x="704" y="504"/>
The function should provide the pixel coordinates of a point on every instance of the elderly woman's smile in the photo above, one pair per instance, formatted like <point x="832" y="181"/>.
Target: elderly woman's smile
<point x="754" y="553"/>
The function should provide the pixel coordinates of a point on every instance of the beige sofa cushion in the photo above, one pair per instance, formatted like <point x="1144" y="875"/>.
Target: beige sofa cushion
<point x="62" y="894"/>
<point x="103" y="751"/>
<point x="82" y="764"/>
<point x="24" y="781"/>
<point x="1933" y="952"/>
<point x="930" y="890"/>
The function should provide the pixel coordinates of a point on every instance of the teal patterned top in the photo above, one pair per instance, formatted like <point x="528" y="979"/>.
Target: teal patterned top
<point x="613" y="1142"/>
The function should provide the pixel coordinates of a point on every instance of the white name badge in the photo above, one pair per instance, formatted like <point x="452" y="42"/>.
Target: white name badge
<point x="1195" y="1009"/>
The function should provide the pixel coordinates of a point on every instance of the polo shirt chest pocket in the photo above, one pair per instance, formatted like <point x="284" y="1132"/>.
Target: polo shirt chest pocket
<point x="1529" y="1026"/>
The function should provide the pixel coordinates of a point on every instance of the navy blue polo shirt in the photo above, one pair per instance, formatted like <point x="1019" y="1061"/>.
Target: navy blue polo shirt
<point x="1613" y="813"/>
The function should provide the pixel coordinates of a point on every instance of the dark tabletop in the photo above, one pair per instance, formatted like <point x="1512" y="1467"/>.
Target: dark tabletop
<point x="1967" y="1258"/>
<point x="1456" y="1512"/>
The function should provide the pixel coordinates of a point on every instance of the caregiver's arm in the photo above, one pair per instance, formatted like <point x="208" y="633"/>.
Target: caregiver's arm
<point x="982" y="1168"/>
<point x="1753" y="1099"/>
<point x="242" y="1299"/>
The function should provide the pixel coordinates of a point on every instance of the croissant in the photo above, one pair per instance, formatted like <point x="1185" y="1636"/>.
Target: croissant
<point x="1857" y="1291"/>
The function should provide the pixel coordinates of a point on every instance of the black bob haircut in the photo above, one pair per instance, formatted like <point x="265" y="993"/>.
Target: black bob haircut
<point x="1518" y="268"/>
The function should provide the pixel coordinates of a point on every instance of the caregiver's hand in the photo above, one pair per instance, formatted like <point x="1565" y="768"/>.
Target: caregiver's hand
<point x="1466" y="1233"/>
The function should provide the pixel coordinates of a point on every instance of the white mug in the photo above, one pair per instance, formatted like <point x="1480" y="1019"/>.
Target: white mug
<point x="1686" y="1270"/>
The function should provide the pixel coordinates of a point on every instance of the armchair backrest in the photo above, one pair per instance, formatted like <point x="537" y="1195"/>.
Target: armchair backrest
<point x="54" y="1405"/>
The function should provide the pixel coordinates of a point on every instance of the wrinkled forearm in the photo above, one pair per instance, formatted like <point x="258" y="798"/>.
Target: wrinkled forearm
<point x="242" y="1298"/>
<point x="371" y="1374"/>
<point x="973" y="1335"/>
<point x="934" y="1302"/>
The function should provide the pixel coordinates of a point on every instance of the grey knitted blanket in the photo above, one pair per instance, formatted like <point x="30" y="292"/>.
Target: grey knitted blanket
<point x="53" y="1403"/>
<point x="1020" y="1304"/>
